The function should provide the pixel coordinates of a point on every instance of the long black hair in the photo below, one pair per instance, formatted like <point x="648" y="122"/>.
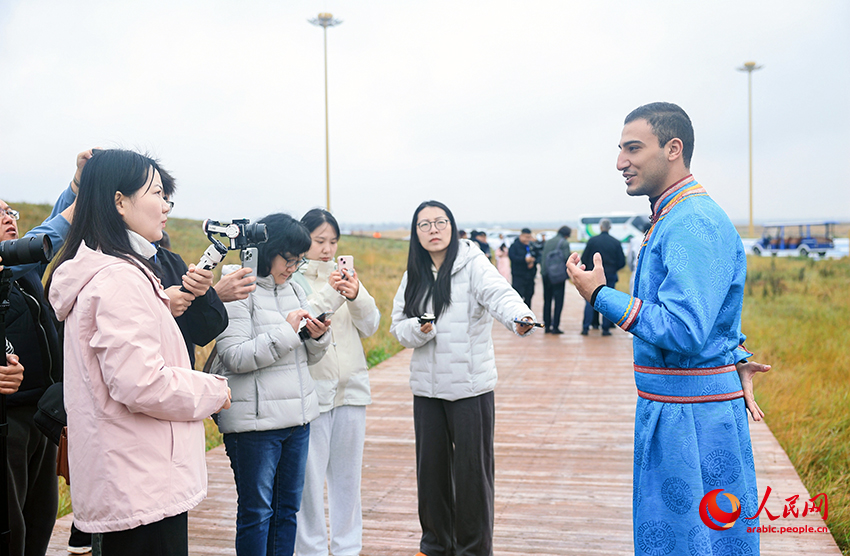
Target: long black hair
<point x="287" y="237"/>
<point x="97" y="221"/>
<point x="420" y="280"/>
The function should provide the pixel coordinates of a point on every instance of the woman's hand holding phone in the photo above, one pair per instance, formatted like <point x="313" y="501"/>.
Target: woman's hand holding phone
<point x="523" y="329"/>
<point x="315" y="327"/>
<point x="345" y="281"/>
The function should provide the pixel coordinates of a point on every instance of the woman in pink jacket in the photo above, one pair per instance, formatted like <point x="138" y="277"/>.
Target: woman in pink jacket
<point x="135" y="407"/>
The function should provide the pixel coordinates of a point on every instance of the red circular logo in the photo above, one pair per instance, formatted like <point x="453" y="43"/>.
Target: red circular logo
<point x="713" y="516"/>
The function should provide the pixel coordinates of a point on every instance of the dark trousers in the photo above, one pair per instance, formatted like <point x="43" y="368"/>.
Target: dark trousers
<point x="455" y="474"/>
<point x="552" y="293"/>
<point x="166" y="537"/>
<point x="524" y="285"/>
<point x="591" y="316"/>
<point x="33" y="487"/>
<point x="269" y="468"/>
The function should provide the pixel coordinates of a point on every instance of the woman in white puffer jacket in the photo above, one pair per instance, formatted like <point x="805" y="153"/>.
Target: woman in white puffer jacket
<point x="452" y="375"/>
<point x="267" y="429"/>
<point x="342" y="382"/>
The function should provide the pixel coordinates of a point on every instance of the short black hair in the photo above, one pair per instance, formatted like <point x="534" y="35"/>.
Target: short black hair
<point x="667" y="121"/>
<point x="565" y="231"/>
<point x="526" y="230"/>
<point x="287" y="236"/>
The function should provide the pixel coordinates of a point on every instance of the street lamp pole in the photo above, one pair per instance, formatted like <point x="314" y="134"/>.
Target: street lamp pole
<point x="326" y="20"/>
<point x="750" y="67"/>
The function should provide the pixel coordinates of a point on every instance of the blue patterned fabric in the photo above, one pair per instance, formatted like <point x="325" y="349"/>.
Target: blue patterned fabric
<point x="685" y="315"/>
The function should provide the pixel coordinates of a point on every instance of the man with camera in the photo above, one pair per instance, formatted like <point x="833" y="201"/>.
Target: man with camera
<point x="31" y="330"/>
<point x="196" y="304"/>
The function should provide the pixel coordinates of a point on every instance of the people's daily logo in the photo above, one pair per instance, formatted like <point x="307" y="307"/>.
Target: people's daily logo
<point x="713" y="516"/>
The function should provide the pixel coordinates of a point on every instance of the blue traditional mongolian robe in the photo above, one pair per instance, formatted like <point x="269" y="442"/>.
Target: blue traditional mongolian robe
<point x="691" y="430"/>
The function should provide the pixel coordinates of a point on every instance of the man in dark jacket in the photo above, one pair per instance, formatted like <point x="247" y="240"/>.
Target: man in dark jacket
<point x="553" y="291"/>
<point x="198" y="308"/>
<point x="33" y="494"/>
<point x="523" y="266"/>
<point x="613" y="260"/>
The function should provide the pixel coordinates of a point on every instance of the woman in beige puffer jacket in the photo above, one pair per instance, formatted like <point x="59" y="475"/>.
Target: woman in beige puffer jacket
<point x="342" y="383"/>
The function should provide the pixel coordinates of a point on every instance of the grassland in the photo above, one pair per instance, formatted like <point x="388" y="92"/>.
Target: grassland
<point x="796" y="314"/>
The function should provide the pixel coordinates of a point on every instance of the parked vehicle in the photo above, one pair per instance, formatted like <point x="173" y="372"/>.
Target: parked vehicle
<point x="624" y="226"/>
<point x="796" y="238"/>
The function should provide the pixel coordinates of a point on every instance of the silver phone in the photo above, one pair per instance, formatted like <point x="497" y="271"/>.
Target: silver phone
<point x="249" y="257"/>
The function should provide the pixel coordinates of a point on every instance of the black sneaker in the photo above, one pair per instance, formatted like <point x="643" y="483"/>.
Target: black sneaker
<point x="79" y="542"/>
<point x="606" y="332"/>
<point x="584" y="331"/>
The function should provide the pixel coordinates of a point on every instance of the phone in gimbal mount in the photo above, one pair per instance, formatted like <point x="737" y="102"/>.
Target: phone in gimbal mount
<point x="29" y="249"/>
<point x="242" y="235"/>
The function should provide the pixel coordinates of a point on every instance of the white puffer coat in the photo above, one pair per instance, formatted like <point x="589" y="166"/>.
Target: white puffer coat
<point x="265" y="361"/>
<point x="456" y="359"/>
<point x="342" y="375"/>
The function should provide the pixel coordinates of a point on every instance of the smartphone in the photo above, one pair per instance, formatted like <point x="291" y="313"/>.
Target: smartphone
<point x="303" y="333"/>
<point x="529" y="323"/>
<point x="249" y="258"/>
<point x="345" y="263"/>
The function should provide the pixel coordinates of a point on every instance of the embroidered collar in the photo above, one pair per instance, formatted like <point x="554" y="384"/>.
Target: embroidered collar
<point x="674" y="194"/>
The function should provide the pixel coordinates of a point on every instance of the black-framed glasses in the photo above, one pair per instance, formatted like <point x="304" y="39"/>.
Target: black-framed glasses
<point x="296" y="264"/>
<point x="170" y="206"/>
<point x="440" y="224"/>
<point x="11" y="213"/>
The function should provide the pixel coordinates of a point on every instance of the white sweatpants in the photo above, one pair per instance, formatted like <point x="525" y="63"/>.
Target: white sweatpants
<point x="336" y="455"/>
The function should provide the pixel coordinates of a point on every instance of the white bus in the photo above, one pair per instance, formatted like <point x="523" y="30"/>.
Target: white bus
<point x="624" y="225"/>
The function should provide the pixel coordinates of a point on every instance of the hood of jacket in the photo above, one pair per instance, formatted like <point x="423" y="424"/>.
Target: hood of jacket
<point x="74" y="274"/>
<point x="466" y="251"/>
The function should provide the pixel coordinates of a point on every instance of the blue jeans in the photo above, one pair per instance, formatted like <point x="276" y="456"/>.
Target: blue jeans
<point x="269" y="470"/>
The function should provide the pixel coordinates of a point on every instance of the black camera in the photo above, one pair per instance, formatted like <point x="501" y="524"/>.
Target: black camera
<point x="241" y="233"/>
<point x="31" y="249"/>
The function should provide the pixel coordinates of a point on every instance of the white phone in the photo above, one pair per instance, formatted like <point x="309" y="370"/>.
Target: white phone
<point x="345" y="262"/>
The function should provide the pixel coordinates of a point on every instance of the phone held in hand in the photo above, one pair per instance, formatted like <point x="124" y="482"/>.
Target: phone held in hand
<point x="250" y="258"/>
<point x="346" y="265"/>
<point x="426" y="318"/>
<point x="304" y="333"/>
<point x="529" y="323"/>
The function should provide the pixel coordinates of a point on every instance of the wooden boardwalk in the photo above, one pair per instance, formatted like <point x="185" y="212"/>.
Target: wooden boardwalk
<point x="564" y="438"/>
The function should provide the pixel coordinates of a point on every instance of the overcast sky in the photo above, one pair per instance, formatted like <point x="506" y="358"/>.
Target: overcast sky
<point x="507" y="111"/>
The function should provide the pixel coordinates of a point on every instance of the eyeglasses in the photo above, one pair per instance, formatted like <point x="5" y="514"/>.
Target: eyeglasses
<point x="170" y="206"/>
<point x="440" y="224"/>
<point x="11" y="213"/>
<point x="296" y="264"/>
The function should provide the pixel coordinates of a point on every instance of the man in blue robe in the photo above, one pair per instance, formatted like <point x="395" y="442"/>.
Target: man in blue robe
<point x="692" y="377"/>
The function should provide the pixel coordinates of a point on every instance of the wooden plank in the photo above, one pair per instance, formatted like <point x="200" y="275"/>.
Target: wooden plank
<point x="564" y="433"/>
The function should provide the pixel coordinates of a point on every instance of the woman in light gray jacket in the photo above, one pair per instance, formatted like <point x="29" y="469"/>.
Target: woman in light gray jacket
<point x="267" y="429"/>
<point x="452" y="375"/>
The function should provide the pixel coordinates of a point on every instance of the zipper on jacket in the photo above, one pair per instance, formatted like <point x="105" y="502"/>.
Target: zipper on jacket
<point x="43" y="331"/>
<point x="301" y="388"/>
<point x="256" y="396"/>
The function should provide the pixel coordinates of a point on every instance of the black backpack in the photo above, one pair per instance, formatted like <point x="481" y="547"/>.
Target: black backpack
<point x="556" y="265"/>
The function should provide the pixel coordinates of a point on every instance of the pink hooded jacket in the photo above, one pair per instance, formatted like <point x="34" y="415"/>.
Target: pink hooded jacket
<point x="135" y="407"/>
